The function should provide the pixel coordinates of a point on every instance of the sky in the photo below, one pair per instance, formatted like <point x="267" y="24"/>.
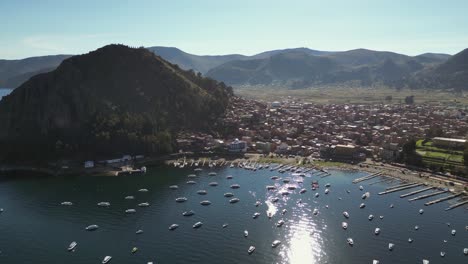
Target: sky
<point x="215" y="27"/>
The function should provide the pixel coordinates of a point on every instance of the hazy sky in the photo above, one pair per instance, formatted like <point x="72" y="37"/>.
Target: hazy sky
<point x="42" y="27"/>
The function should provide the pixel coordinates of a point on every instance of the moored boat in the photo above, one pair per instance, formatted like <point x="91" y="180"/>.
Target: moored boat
<point x="91" y="227"/>
<point x="173" y="227"/>
<point x="72" y="246"/>
<point x="234" y="200"/>
<point x="205" y="202"/>
<point x="197" y="225"/>
<point x="344" y="225"/>
<point x="106" y="259"/>
<point x="275" y="243"/>
<point x="251" y="250"/>
<point x="188" y="213"/>
<point x="181" y="199"/>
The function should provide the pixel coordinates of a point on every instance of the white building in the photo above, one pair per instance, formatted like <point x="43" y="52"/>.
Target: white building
<point x="237" y="146"/>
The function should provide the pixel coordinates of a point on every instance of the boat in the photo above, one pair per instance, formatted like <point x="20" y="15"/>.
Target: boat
<point x="106" y="259"/>
<point x="348" y="191"/>
<point x="375" y="261"/>
<point x="315" y="212"/>
<point x="381" y="217"/>
<point x="246" y="233"/>
<point x="257" y="203"/>
<point x="465" y="251"/>
<point x="66" y="203"/>
<point x="269" y="214"/>
<point x="327" y="185"/>
<point x="234" y="200"/>
<point x="410" y="240"/>
<point x="362" y="205"/>
<point x="188" y="213"/>
<point x="213" y="184"/>
<point x="228" y="194"/>
<point x="425" y="261"/>
<point x="251" y="250"/>
<point x="143" y="190"/>
<point x="202" y="192"/>
<point x="143" y="204"/>
<point x="130" y="211"/>
<point x="274" y="178"/>
<point x="104" y="204"/>
<point x="350" y="241"/>
<point x="317" y="195"/>
<point x="345" y="214"/>
<point x="284" y="211"/>
<point x="371" y="217"/>
<point x="174" y="187"/>
<point x="198" y="169"/>
<point x="326" y="206"/>
<point x="275" y="243"/>
<point x="421" y="211"/>
<point x="285" y="193"/>
<point x="361" y="188"/>
<point x="205" y="202"/>
<point x="302" y="191"/>
<point x="256" y="215"/>
<point x="286" y="180"/>
<point x="212" y="173"/>
<point x="377" y="231"/>
<point x="391" y="246"/>
<point x="130" y="197"/>
<point x="453" y="232"/>
<point x="139" y="232"/>
<point x="197" y="225"/>
<point x="229" y="177"/>
<point x="416" y="227"/>
<point x="191" y="182"/>
<point x="91" y="227"/>
<point x="442" y="254"/>
<point x="72" y="246"/>
<point x="344" y="225"/>
<point x="192" y="176"/>
<point x="275" y="199"/>
<point x="181" y="199"/>
<point x="225" y="225"/>
<point x="134" y="250"/>
<point x="173" y="227"/>
<point x="391" y="206"/>
<point x="291" y="187"/>
<point x="365" y="195"/>
<point x="235" y="186"/>
<point x="280" y="223"/>
<point x="327" y="191"/>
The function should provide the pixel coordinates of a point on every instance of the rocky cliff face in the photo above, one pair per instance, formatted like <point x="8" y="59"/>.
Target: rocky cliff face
<point x="114" y="99"/>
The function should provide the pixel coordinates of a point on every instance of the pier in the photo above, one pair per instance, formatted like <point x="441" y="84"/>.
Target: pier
<point x="396" y="189"/>
<point x="399" y="186"/>
<point x="427" y="195"/>
<point x="368" y="177"/>
<point x="443" y="199"/>
<point x="456" y="205"/>
<point x="416" y="192"/>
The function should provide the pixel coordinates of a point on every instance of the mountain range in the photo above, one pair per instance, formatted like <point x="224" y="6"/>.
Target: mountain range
<point x="292" y="68"/>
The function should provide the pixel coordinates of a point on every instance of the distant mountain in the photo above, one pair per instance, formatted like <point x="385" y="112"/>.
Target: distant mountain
<point x="195" y="62"/>
<point x="113" y="100"/>
<point x="15" y="72"/>
<point x="432" y="58"/>
<point x="270" y="53"/>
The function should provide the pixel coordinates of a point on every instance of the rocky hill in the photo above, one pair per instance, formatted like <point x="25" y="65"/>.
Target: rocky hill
<point x="112" y="100"/>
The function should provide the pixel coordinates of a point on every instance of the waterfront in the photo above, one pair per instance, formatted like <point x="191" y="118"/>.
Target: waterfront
<point x="36" y="228"/>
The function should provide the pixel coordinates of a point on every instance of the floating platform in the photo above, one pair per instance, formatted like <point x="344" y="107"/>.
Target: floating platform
<point x="401" y="188"/>
<point x="416" y="192"/>
<point x="443" y="199"/>
<point x="456" y="205"/>
<point x="427" y="195"/>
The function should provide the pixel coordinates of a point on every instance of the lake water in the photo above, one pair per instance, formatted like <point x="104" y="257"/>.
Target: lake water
<point x="4" y="91"/>
<point x="35" y="228"/>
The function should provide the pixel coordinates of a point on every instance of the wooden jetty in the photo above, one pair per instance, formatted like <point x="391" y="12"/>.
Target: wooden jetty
<point x="385" y="179"/>
<point x="401" y="188"/>
<point x="456" y="205"/>
<point x="416" y="192"/>
<point x="427" y="195"/>
<point x="443" y="199"/>
<point x="368" y="177"/>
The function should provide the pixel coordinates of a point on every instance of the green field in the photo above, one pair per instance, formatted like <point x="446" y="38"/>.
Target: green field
<point x="438" y="156"/>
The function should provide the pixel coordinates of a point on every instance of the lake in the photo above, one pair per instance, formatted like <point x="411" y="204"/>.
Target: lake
<point x="4" y="91"/>
<point x="35" y="228"/>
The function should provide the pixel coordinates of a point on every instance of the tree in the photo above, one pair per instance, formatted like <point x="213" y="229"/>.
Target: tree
<point x="409" y="99"/>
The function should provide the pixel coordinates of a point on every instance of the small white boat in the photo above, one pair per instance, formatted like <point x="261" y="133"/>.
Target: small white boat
<point x="139" y="232"/>
<point x="213" y="184"/>
<point x="275" y="199"/>
<point x="381" y="217"/>
<point x="425" y="261"/>
<point x="234" y="200"/>
<point x="103" y="204"/>
<point x="316" y="211"/>
<point x="375" y="261"/>
<point x="181" y="199"/>
<point x="66" y="203"/>
<point x="130" y="211"/>
<point x="257" y="203"/>
<point x="130" y="197"/>
<point x="327" y="191"/>
<point x="442" y="254"/>
<point x="274" y="178"/>
<point x="286" y="180"/>
<point x="202" y="192"/>
<point x="285" y="193"/>
<point x="188" y="213"/>
<point x="143" y="190"/>
<point x="344" y="225"/>
<point x="391" y="206"/>
<point x="235" y="186"/>
<point x="191" y="182"/>
<point x="205" y="202"/>
<point x="251" y="250"/>
<point x="106" y="259"/>
<point x="350" y="241"/>
<point x="246" y="233"/>
<point x="174" y="187"/>
<point x="212" y="173"/>
<point x="465" y="251"/>
<point x="370" y="217"/>
<point x="283" y="211"/>
<point x="72" y="246"/>
<point x="362" y="205"/>
<point x="229" y="177"/>
<point x="228" y="194"/>
<point x="173" y="227"/>
<point x="348" y="191"/>
<point x="391" y="246"/>
<point x="134" y="250"/>
<point x="410" y="240"/>
<point x="292" y="187"/>
<point x="271" y="187"/>
<point x="361" y="188"/>
<point x="317" y="195"/>
<point x="302" y="191"/>
<point x="197" y="225"/>
<point x="453" y="232"/>
<point x="280" y="223"/>
<point x="225" y="225"/>
<point x="377" y="231"/>
<point x="365" y="195"/>
<point x="192" y="176"/>
<point x="91" y="227"/>
<point x="143" y="204"/>
<point x="345" y="214"/>
<point x="327" y="185"/>
<point x="256" y="215"/>
<point x="198" y="169"/>
<point x="416" y="227"/>
<point x="275" y="243"/>
<point x="421" y="211"/>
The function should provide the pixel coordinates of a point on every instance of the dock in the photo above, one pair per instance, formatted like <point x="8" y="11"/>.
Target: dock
<point x="368" y="177"/>
<point x="427" y="195"/>
<point x="401" y="188"/>
<point x="456" y="205"/>
<point x="416" y="192"/>
<point x="443" y="199"/>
